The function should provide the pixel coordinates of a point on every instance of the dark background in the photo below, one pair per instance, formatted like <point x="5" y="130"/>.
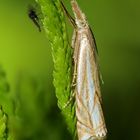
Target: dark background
<point x="116" y="28"/>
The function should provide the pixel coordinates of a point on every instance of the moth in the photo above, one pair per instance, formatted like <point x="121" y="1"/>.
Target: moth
<point x="90" y="119"/>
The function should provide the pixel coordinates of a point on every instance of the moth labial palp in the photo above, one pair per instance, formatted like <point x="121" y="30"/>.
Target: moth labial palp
<point x="89" y="114"/>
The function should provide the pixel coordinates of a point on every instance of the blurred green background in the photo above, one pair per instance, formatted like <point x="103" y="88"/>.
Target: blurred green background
<point x="25" y="51"/>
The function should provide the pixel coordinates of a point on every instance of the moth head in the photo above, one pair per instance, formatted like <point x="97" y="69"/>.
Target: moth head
<point x="81" y="22"/>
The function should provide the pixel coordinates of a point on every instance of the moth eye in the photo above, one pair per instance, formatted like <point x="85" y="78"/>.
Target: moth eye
<point x="83" y="24"/>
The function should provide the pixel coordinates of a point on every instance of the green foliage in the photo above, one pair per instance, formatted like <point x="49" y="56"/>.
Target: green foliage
<point x="34" y="117"/>
<point x="54" y="25"/>
<point x="31" y="113"/>
<point x="31" y="110"/>
<point x="5" y="103"/>
<point x="3" y="125"/>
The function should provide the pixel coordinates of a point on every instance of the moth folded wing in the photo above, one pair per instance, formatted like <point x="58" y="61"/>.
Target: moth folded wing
<point x="98" y="76"/>
<point x="93" y="86"/>
<point x="84" y="127"/>
<point x="97" y="118"/>
<point x="84" y="124"/>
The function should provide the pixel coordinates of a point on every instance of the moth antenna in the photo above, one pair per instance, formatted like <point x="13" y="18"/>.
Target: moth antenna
<point x="71" y="19"/>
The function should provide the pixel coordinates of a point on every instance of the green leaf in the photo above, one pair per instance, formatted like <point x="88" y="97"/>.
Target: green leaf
<point x="55" y="27"/>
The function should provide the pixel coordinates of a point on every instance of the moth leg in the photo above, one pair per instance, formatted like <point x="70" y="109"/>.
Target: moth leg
<point x="73" y="85"/>
<point x="73" y="42"/>
<point x="70" y="100"/>
<point x="74" y="76"/>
